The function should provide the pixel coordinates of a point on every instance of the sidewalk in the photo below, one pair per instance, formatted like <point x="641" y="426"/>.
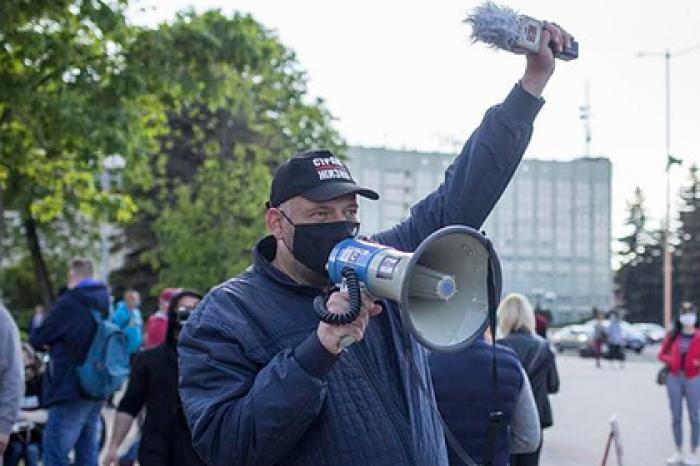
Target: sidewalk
<point x="588" y="399"/>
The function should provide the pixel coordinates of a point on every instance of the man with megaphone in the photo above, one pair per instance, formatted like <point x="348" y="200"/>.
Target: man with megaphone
<point x="263" y="382"/>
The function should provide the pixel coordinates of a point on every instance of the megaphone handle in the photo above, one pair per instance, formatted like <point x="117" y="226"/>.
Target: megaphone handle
<point x="346" y="341"/>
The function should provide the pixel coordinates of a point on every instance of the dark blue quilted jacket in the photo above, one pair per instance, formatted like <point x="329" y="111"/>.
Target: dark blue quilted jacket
<point x="68" y="330"/>
<point x="259" y="389"/>
<point x="465" y="394"/>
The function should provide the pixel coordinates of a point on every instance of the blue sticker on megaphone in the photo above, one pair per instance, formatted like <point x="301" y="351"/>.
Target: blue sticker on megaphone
<point x="351" y="255"/>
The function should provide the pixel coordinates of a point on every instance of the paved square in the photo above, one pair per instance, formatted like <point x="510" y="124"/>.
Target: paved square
<point x="587" y="400"/>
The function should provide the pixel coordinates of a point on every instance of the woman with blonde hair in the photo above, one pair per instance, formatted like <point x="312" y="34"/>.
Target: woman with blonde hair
<point x="516" y="322"/>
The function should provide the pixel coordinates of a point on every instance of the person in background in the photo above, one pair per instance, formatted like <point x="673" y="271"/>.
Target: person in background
<point x="157" y="325"/>
<point x="25" y="443"/>
<point x="599" y="336"/>
<point x="616" y="341"/>
<point x="128" y="317"/>
<point x="37" y="319"/>
<point x="680" y="351"/>
<point x="464" y="391"/>
<point x="541" y="324"/>
<point x="516" y="321"/>
<point x="166" y="439"/>
<point x="67" y="332"/>
<point x="11" y="377"/>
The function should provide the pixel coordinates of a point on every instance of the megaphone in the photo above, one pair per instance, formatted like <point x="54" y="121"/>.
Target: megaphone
<point x="443" y="288"/>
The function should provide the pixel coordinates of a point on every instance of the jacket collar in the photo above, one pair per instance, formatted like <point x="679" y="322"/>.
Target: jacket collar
<point x="263" y="255"/>
<point x="88" y="282"/>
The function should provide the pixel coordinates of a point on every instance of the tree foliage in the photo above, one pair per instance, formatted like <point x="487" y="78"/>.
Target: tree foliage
<point x="236" y="105"/>
<point x="688" y="256"/>
<point x="639" y="278"/>
<point x="67" y="100"/>
<point x="636" y="222"/>
<point x="206" y="235"/>
<point x="202" y="108"/>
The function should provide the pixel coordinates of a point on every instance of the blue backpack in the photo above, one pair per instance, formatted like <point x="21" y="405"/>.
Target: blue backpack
<point x="106" y="367"/>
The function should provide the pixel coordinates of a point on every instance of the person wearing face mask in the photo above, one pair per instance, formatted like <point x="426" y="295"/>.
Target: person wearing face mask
<point x="680" y="351"/>
<point x="263" y="382"/>
<point x="166" y="439"/>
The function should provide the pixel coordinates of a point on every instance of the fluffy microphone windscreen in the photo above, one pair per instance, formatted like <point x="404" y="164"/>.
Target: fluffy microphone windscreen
<point x="495" y="25"/>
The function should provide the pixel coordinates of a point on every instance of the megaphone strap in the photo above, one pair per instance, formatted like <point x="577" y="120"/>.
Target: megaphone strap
<point x="451" y="439"/>
<point x="496" y="415"/>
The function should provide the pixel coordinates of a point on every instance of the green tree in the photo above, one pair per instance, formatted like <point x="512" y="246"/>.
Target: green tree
<point x="236" y="105"/>
<point x="636" y="223"/>
<point x="639" y="277"/>
<point x="208" y="232"/>
<point x="67" y="100"/>
<point x="688" y="254"/>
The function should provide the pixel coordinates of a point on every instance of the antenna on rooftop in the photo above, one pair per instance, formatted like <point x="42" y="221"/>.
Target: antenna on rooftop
<point x="585" y="116"/>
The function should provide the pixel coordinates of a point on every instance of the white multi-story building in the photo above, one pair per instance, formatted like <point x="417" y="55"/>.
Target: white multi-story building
<point x="551" y="228"/>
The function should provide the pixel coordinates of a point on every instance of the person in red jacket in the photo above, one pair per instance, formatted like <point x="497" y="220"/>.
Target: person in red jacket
<point x="681" y="353"/>
<point x="157" y="325"/>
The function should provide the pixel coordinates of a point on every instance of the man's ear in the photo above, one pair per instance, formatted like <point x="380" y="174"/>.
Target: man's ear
<point x="274" y="221"/>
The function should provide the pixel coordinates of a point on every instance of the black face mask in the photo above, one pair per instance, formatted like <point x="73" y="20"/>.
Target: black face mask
<point x="313" y="242"/>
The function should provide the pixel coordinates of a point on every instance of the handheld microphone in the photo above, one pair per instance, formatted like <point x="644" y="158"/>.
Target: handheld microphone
<point x="504" y="28"/>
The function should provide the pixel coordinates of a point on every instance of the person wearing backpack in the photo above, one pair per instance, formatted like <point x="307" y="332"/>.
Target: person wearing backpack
<point x="67" y="333"/>
<point x="128" y="318"/>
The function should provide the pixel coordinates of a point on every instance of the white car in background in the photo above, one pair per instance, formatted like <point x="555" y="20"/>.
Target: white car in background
<point x="571" y="337"/>
<point x="633" y="337"/>
<point x="654" y="333"/>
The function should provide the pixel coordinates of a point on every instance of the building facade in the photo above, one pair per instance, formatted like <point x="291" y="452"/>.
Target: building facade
<point x="551" y="228"/>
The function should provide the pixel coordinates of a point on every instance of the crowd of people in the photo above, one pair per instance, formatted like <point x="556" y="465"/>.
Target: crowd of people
<point x="526" y="375"/>
<point x="248" y="375"/>
<point x="71" y="431"/>
<point x="254" y="378"/>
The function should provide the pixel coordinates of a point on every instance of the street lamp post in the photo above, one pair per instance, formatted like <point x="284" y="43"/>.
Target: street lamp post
<point x="670" y="160"/>
<point x="111" y="169"/>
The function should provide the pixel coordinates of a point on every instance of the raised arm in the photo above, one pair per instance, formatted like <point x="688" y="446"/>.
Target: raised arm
<point x="479" y="175"/>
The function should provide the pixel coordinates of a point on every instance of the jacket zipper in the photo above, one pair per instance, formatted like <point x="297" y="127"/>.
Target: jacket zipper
<point x="390" y="408"/>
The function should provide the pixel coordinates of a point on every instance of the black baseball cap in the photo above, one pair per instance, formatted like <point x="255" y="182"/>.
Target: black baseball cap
<point x="317" y="175"/>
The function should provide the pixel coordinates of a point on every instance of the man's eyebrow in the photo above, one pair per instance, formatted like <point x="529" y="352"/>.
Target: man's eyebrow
<point x="317" y="207"/>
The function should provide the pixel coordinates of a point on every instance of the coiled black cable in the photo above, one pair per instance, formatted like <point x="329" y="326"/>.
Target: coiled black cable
<point x="354" y="292"/>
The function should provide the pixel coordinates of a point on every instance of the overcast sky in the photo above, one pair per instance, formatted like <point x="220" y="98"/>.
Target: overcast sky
<point x="403" y="74"/>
